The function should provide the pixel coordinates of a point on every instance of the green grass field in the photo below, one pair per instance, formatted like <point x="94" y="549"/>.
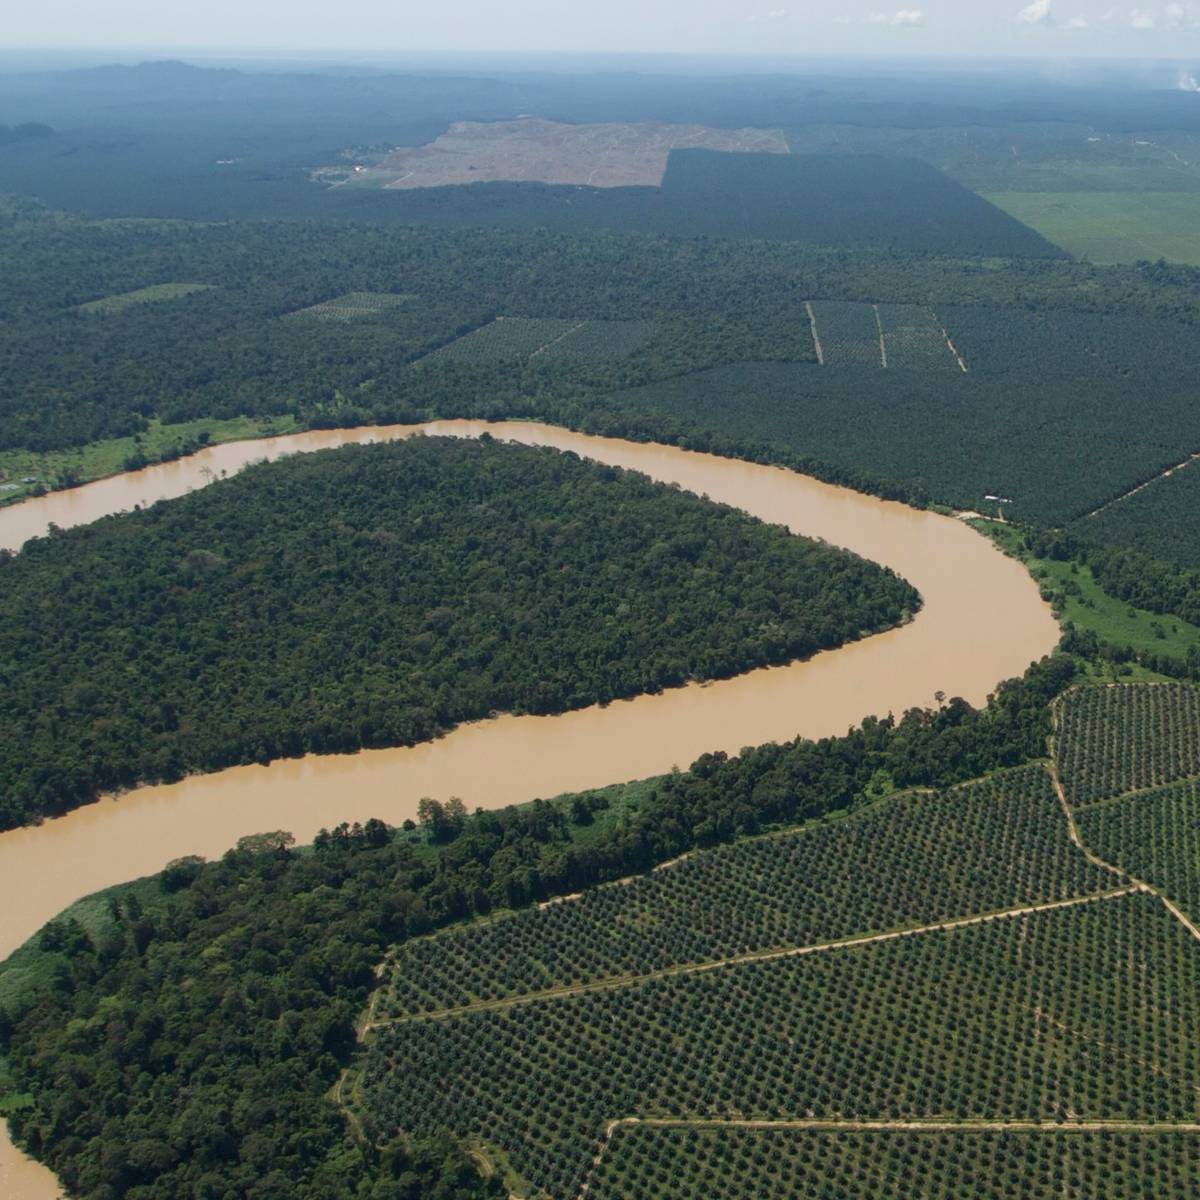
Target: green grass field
<point x="157" y="292"/>
<point x="100" y="459"/>
<point x="1112" y="227"/>
<point x="1078" y="598"/>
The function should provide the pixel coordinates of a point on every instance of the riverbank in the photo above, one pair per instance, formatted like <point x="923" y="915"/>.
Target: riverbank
<point x="982" y="621"/>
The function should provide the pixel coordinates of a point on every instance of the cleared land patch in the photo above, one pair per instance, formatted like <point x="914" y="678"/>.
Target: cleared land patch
<point x="1125" y="738"/>
<point x="913" y="859"/>
<point x="680" y="1163"/>
<point x="1112" y="227"/>
<point x="153" y="294"/>
<point x="914" y="338"/>
<point x="517" y="338"/>
<point x="849" y="333"/>
<point x="1045" y="1017"/>
<point x="907" y="336"/>
<point x="535" y="151"/>
<point x="353" y="306"/>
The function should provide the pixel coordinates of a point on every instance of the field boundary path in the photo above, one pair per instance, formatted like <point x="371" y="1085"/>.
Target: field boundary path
<point x="616" y="982"/>
<point x="1141" y="487"/>
<point x="962" y="362"/>
<point x="1092" y="857"/>
<point x="929" y="1125"/>
<point x="554" y="341"/>
<point x="816" y="337"/>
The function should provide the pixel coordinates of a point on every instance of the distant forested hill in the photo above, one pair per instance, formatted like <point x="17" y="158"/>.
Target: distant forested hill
<point x="376" y="596"/>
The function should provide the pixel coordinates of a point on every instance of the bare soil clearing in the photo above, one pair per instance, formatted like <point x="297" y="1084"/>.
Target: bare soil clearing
<point x="537" y="151"/>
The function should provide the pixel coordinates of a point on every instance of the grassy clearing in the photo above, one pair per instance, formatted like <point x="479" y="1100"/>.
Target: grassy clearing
<point x="82" y="464"/>
<point x="32" y="967"/>
<point x="10" y="1099"/>
<point x="1112" y="227"/>
<point x="1079" y="599"/>
<point x="353" y="306"/>
<point x="108" y="305"/>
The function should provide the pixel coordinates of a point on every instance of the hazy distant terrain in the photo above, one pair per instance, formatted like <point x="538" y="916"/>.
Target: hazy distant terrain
<point x="535" y="151"/>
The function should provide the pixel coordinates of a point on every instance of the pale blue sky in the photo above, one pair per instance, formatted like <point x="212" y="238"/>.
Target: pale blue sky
<point x="1057" y="28"/>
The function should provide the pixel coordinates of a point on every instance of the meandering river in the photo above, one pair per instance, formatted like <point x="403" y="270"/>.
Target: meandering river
<point x="982" y="621"/>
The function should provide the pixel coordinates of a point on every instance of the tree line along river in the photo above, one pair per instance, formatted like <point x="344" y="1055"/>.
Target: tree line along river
<point x="982" y="621"/>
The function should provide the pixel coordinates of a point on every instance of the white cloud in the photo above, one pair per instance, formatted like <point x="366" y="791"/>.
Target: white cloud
<point x="903" y="18"/>
<point x="1142" y="18"/>
<point x="1176" y="16"/>
<point x="1077" y="23"/>
<point x="1037" y="13"/>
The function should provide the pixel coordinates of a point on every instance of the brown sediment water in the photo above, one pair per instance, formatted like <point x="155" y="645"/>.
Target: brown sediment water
<point x="20" y="1177"/>
<point x="982" y="621"/>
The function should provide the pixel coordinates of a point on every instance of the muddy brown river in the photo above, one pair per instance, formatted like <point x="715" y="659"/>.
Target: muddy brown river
<point x="982" y="621"/>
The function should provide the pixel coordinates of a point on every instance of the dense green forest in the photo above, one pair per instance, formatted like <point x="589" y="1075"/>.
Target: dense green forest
<point x="158" y="1099"/>
<point x="73" y="377"/>
<point x="377" y="596"/>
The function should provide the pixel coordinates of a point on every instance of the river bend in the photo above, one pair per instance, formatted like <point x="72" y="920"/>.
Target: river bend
<point x="982" y="621"/>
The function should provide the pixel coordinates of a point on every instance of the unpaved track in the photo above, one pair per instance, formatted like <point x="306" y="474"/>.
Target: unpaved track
<point x="759" y="956"/>
<point x="929" y="1126"/>
<point x="883" y="362"/>
<point x="816" y="337"/>
<point x="1091" y="855"/>
<point x="818" y="1125"/>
